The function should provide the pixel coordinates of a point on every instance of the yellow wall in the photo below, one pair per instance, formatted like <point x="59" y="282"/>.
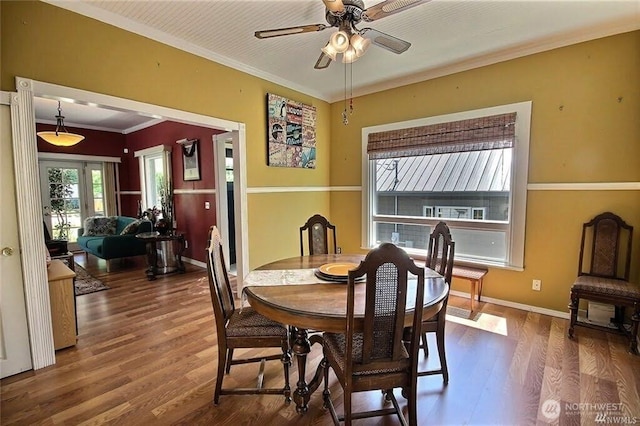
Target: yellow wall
<point x="50" y="44"/>
<point x="581" y="130"/>
<point x="585" y="127"/>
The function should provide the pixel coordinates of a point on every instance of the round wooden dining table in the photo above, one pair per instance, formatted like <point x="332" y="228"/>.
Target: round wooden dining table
<point x="285" y="296"/>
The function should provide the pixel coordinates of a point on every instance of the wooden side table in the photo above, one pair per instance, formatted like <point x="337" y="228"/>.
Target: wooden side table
<point x="63" y="309"/>
<point x="162" y="256"/>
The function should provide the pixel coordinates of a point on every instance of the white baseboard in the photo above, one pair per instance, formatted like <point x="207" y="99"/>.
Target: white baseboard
<point x="521" y="306"/>
<point x="194" y="262"/>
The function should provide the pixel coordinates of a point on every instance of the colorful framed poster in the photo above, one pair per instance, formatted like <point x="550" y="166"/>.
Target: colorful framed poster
<point x="291" y="133"/>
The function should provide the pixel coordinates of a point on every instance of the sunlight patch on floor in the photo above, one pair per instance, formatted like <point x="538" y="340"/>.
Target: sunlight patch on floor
<point x="481" y="321"/>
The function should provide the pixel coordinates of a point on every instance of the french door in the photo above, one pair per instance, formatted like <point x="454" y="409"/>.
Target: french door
<point x="71" y="191"/>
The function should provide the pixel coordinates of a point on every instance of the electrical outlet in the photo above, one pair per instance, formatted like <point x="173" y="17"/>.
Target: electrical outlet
<point x="339" y="250"/>
<point x="536" y="285"/>
<point x="207" y="205"/>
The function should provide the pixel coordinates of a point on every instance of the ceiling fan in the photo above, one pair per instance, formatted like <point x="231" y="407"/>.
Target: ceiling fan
<point x="349" y="40"/>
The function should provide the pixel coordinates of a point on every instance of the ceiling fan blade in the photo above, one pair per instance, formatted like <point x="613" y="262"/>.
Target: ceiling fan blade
<point x="386" y="41"/>
<point x="389" y="7"/>
<point x="323" y="61"/>
<point x="334" y="5"/>
<point x="290" y="30"/>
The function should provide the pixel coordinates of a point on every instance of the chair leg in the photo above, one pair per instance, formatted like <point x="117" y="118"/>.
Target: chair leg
<point x="347" y="407"/>
<point x="413" y="406"/>
<point x="222" y="361"/>
<point x="286" y="362"/>
<point x="425" y="345"/>
<point x="633" y="338"/>
<point x="229" y="359"/>
<point x="573" y="307"/>
<point x="326" y="394"/>
<point x="441" y="350"/>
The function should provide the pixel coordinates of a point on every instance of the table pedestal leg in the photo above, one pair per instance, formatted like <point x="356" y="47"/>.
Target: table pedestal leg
<point x="152" y="260"/>
<point x="301" y="348"/>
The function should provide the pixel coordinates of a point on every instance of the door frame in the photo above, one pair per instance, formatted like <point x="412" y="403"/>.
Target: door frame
<point x="29" y="200"/>
<point x="240" y="197"/>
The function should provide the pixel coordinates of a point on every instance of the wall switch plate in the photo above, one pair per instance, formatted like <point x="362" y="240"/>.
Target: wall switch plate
<point x="536" y="285"/>
<point x="207" y="205"/>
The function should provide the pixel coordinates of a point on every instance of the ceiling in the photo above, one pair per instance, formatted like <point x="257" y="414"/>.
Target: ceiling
<point x="447" y="36"/>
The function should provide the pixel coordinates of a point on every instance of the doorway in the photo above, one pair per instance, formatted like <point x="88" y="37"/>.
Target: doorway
<point x="28" y="191"/>
<point x="70" y="191"/>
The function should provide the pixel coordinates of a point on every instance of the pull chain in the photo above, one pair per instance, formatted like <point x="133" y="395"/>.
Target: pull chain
<point x="345" y="119"/>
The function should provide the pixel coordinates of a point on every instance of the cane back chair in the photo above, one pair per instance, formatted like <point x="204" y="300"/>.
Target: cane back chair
<point x="376" y="357"/>
<point x="603" y="274"/>
<point x="440" y="254"/>
<point x="241" y="328"/>
<point x="318" y="239"/>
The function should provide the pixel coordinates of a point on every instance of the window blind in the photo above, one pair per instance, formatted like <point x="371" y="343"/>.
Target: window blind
<point x="477" y="134"/>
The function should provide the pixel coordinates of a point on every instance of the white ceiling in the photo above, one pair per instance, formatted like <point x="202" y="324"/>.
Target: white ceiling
<point x="447" y="36"/>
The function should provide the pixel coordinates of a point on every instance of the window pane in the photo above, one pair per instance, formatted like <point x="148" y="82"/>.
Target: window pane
<point x="155" y="180"/>
<point x="96" y="188"/>
<point x="467" y="185"/>
<point x="402" y="235"/>
<point x="480" y="244"/>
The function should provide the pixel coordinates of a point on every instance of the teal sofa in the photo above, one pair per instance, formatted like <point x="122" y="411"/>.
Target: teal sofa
<point x="113" y="244"/>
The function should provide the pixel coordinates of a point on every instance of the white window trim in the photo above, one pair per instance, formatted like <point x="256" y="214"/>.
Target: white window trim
<point x="520" y="165"/>
<point x="141" y="155"/>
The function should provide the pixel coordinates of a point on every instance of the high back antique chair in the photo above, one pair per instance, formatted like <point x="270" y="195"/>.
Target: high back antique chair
<point x="440" y="254"/>
<point x="318" y="230"/>
<point x="375" y="357"/>
<point x="603" y="273"/>
<point x="241" y="328"/>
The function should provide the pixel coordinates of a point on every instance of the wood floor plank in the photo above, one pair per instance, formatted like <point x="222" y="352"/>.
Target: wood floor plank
<point x="146" y="355"/>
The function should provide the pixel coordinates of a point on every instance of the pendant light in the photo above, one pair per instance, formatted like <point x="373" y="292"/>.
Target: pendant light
<point x="61" y="137"/>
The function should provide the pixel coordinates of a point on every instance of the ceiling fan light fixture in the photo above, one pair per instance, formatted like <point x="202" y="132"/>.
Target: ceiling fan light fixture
<point x="339" y="41"/>
<point x="58" y="137"/>
<point x="360" y="44"/>
<point x="350" y="55"/>
<point x="330" y="51"/>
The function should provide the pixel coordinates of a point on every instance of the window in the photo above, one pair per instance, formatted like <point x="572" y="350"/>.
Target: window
<point x="468" y="169"/>
<point x="155" y="174"/>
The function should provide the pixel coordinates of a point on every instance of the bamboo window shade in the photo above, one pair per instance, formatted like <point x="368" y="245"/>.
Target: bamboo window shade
<point x="476" y="134"/>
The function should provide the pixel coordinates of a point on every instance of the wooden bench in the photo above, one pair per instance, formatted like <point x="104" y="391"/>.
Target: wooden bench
<point x="474" y="276"/>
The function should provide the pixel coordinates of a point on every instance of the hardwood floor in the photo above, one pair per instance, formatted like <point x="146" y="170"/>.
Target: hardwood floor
<point x="146" y="354"/>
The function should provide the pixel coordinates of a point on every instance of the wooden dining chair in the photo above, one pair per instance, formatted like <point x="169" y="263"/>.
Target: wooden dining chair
<point x="371" y="354"/>
<point x="318" y="230"/>
<point x="603" y="274"/>
<point x="440" y="253"/>
<point x="241" y="328"/>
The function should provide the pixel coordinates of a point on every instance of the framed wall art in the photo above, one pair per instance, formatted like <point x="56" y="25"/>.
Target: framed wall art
<point x="291" y="133"/>
<point x="190" y="159"/>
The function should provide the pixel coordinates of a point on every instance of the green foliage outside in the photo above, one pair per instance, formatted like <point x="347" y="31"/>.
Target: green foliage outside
<point x="61" y="183"/>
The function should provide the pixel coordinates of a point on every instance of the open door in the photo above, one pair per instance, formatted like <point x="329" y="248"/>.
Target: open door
<point x="15" y="350"/>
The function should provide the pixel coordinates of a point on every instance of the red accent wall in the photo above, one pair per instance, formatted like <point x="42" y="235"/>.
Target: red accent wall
<point x="192" y="218"/>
